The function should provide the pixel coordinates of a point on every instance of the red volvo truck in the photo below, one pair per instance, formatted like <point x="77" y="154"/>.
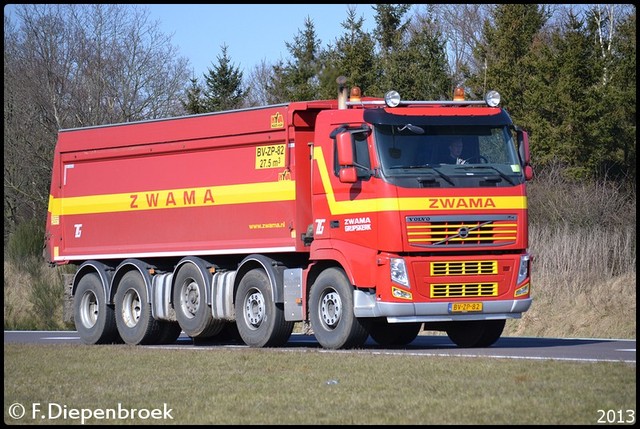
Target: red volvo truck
<point x="343" y="214"/>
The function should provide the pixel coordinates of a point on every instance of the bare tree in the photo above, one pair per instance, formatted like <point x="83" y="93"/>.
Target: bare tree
<point x="606" y="18"/>
<point x="257" y="83"/>
<point x="68" y="66"/>
<point x="461" y="26"/>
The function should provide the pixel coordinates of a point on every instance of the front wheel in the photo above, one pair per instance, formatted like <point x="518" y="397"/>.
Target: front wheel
<point x="334" y="324"/>
<point x="473" y="334"/>
<point x="393" y="334"/>
<point x="260" y="321"/>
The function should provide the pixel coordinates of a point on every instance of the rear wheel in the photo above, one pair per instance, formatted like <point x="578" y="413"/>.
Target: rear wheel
<point x="228" y="334"/>
<point x="334" y="324"/>
<point x="473" y="334"/>
<point x="94" y="319"/>
<point x="189" y="301"/>
<point x="260" y="321"/>
<point x="169" y="332"/>
<point x="135" y="323"/>
<point x="393" y="334"/>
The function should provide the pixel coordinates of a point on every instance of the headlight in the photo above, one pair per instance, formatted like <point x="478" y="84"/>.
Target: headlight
<point x="523" y="270"/>
<point x="399" y="272"/>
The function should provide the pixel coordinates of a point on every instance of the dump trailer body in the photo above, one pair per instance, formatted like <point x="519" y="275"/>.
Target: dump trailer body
<point x="200" y="185"/>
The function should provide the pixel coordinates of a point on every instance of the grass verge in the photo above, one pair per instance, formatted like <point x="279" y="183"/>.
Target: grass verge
<point x="270" y="386"/>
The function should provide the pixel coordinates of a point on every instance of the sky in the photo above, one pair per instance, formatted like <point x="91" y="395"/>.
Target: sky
<point x="252" y="32"/>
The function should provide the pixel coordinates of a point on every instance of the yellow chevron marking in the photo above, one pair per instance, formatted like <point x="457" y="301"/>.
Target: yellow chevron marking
<point x="410" y="203"/>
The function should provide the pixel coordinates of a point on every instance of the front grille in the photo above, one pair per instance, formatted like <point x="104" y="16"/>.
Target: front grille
<point x="449" y="268"/>
<point x="461" y="231"/>
<point x="463" y="290"/>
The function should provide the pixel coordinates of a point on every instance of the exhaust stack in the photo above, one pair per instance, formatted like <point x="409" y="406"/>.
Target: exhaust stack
<point x="342" y="92"/>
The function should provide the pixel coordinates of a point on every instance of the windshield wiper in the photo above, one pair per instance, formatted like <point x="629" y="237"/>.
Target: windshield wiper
<point x="409" y="167"/>
<point x="504" y="176"/>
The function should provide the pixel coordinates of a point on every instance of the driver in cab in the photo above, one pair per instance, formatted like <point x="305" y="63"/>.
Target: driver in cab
<point x="455" y="152"/>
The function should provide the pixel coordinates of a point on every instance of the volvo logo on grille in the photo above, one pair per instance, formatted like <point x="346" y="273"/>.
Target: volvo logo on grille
<point x="463" y="232"/>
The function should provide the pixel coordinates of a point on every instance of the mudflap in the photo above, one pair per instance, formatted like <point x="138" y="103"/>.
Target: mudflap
<point x="67" y="309"/>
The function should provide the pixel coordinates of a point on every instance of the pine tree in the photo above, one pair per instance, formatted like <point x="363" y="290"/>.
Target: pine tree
<point x="507" y="38"/>
<point x="193" y="104"/>
<point x="353" y="57"/>
<point x="421" y="67"/>
<point x="580" y="120"/>
<point x="390" y="26"/>
<point x="224" y="88"/>
<point x="612" y="37"/>
<point x="391" y="30"/>
<point x="297" y="80"/>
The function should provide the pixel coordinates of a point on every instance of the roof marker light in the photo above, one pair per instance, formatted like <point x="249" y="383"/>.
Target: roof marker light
<point x="492" y="98"/>
<point x="392" y="98"/>
<point x="458" y="94"/>
<point x="355" y="94"/>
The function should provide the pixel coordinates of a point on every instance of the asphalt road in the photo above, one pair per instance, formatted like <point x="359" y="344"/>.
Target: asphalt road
<point x="565" y="349"/>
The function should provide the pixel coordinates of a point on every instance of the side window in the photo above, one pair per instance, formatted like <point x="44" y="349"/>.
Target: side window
<point x="494" y="147"/>
<point x="360" y="155"/>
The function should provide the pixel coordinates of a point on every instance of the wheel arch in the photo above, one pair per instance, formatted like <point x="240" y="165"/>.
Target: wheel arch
<point x="204" y="267"/>
<point x="331" y="258"/>
<point x="273" y="268"/>
<point x="314" y="271"/>
<point x="104" y="272"/>
<point x="132" y="265"/>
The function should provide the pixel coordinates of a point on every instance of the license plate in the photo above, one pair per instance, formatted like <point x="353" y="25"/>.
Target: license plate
<point x="465" y="307"/>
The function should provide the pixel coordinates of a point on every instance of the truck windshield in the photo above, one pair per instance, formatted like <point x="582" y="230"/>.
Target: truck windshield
<point x="450" y="150"/>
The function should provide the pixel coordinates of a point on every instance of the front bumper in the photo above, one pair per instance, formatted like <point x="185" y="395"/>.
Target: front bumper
<point x="366" y="305"/>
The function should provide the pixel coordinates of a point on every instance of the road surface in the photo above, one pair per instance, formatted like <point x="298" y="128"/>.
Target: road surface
<point x="565" y="349"/>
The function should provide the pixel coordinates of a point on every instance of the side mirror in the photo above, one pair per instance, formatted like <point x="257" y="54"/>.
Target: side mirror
<point x="344" y="146"/>
<point x="524" y="153"/>
<point x="528" y="172"/>
<point x="348" y="174"/>
<point x="523" y="147"/>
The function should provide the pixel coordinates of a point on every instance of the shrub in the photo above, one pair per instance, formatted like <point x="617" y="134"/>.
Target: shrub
<point x="26" y="243"/>
<point x="555" y="200"/>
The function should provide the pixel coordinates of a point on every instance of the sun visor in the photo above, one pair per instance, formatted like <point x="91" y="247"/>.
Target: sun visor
<point x="383" y="117"/>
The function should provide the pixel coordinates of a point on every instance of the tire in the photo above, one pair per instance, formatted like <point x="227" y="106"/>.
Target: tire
<point x="393" y="334"/>
<point x="259" y="320"/>
<point x="94" y="319"/>
<point x="475" y="334"/>
<point x="168" y="332"/>
<point x="492" y="332"/>
<point x="189" y="302"/>
<point x="334" y="324"/>
<point x="135" y="323"/>
<point x="228" y="335"/>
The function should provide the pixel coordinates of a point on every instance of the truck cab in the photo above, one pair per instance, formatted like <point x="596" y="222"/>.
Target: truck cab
<point x="425" y="239"/>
